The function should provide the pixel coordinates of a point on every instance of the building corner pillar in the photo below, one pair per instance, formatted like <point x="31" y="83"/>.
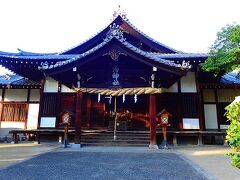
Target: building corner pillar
<point x="152" y="116"/>
<point x="78" y="120"/>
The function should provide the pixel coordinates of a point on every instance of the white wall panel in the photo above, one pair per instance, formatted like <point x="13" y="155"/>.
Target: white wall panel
<point x="50" y="85"/>
<point x="188" y="83"/>
<point x="210" y="113"/>
<point x="15" y="95"/>
<point x="173" y="88"/>
<point x="34" y="95"/>
<point x="66" y="89"/>
<point x="17" y="125"/>
<point x="32" y="119"/>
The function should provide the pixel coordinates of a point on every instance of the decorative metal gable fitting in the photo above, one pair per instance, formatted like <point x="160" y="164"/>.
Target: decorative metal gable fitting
<point x="119" y="12"/>
<point x="114" y="54"/>
<point x="115" y="31"/>
<point x="115" y="76"/>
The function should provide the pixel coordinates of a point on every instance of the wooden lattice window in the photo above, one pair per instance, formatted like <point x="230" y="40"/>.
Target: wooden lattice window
<point x="189" y="103"/>
<point x="49" y="104"/>
<point x="14" y="112"/>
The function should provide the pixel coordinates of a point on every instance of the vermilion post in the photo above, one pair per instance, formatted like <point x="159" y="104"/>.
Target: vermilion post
<point x="88" y="111"/>
<point x="152" y="115"/>
<point x="78" y="119"/>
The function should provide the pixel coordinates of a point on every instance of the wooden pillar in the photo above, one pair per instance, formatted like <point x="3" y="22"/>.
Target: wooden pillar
<point x="152" y="115"/>
<point x="180" y="106"/>
<point x="41" y="103"/>
<point x="2" y="101"/>
<point x="28" y="101"/>
<point x="78" y="119"/>
<point x="217" y="108"/>
<point x="200" y="102"/>
<point x="58" y="111"/>
<point x="88" y="111"/>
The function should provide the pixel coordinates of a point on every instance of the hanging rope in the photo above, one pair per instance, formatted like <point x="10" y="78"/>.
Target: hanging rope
<point x="120" y="92"/>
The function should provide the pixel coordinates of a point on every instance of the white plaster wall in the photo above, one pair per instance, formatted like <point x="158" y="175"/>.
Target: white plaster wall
<point x="210" y="113"/>
<point x="190" y="123"/>
<point x="66" y="89"/>
<point x="34" y="95"/>
<point x="15" y="95"/>
<point x="18" y="125"/>
<point x="0" y="94"/>
<point x="208" y="95"/>
<point x="32" y="119"/>
<point x="223" y="126"/>
<point x="227" y="95"/>
<point x="50" y="85"/>
<point x="173" y="88"/>
<point x="48" y="122"/>
<point x="188" y="83"/>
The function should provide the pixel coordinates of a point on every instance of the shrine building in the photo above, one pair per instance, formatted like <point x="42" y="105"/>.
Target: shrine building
<point x="119" y="71"/>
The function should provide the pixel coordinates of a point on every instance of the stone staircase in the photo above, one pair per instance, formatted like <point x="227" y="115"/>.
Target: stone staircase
<point x="124" y="138"/>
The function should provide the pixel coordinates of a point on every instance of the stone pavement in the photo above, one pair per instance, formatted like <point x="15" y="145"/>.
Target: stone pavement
<point x="213" y="159"/>
<point x="119" y="162"/>
<point x="103" y="165"/>
<point x="14" y="153"/>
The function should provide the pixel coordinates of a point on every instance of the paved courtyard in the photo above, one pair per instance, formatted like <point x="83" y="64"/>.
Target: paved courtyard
<point x="103" y="165"/>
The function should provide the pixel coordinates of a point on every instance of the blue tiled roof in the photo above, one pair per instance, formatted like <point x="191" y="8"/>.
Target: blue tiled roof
<point x="16" y="80"/>
<point x="102" y="44"/>
<point x="231" y="78"/>
<point x="180" y="55"/>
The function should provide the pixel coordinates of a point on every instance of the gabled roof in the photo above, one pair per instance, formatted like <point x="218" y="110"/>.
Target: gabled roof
<point x="80" y="58"/>
<point x="128" y="28"/>
<point x="119" y="35"/>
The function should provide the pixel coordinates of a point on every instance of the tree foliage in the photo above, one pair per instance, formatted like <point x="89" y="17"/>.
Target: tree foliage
<point x="233" y="131"/>
<point x="224" y="55"/>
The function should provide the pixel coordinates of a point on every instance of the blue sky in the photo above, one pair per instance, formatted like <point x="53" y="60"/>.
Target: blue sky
<point x="56" y="25"/>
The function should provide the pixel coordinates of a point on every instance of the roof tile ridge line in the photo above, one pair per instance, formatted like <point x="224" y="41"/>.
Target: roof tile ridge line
<point x="178" y="54"/>
<point x="33" y="57"/>
<point x="145" y="35"/>
<point x="147" y="55"/>
<point x="27" y="53"/>
<point x="61" y="52"/>
<point x="86" y="53"/>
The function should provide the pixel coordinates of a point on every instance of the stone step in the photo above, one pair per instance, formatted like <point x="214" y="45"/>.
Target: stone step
<point x="123" y="139"/>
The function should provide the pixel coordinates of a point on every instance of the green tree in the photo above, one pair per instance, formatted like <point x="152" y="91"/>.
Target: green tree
<point x="233" y="131"/>
<point x="224" y="55"/>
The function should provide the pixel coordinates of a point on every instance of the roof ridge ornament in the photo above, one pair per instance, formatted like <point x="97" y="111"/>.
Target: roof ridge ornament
<point x="114" y="31"/>
<point x="119" y="12"/>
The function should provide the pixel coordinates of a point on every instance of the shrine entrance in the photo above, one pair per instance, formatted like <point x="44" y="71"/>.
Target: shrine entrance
<point x="99" y="114"/>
